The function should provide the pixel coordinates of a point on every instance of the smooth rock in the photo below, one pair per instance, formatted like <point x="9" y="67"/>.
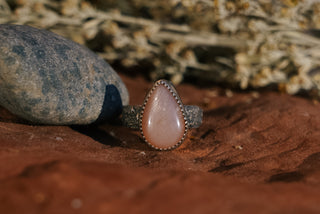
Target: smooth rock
<point x="163" y="123"/>
<point x="48" y="79"/>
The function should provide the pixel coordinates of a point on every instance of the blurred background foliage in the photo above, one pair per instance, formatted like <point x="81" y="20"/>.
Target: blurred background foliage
<point x="240" y="44"/>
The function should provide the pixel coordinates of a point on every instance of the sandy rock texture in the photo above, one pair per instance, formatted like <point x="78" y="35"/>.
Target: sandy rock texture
<point x="254" y="153"/>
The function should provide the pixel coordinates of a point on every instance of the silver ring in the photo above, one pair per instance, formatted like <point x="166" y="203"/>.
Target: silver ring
<point x="163" y="120"/>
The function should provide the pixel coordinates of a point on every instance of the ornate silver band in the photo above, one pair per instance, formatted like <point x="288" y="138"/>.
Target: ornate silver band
<point x="131" y="116"/>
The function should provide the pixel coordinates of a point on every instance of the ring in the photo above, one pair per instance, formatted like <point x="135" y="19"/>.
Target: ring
<point x="162" y="119"/>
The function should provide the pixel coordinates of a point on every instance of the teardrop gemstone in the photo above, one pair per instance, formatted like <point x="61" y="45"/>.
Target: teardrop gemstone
<point x="163" y="121"/>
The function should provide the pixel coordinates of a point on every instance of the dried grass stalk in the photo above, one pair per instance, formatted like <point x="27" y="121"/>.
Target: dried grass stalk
<point x="243" y="43"/>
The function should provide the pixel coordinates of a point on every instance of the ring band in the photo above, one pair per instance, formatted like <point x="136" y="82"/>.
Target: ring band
<point x="162" y="119"/>
<point x="131" y="116"/>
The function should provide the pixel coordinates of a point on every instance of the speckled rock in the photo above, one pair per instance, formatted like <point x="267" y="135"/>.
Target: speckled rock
<point x="48" y="79"/>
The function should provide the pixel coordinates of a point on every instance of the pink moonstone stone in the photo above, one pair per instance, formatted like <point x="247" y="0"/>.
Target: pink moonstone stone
<point x="163" y="123"/>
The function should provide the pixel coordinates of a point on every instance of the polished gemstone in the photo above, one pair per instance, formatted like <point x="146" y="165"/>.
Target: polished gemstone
<point x="163" y="124"/>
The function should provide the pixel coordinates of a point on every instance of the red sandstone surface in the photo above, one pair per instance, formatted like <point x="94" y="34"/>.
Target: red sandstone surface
<point x="254" y="153"/>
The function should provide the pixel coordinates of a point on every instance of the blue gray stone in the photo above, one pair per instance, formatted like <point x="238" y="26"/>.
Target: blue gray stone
<point x="48" y="79"/>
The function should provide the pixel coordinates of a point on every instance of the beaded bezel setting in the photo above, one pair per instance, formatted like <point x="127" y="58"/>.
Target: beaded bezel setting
<point x="169" y="86"/>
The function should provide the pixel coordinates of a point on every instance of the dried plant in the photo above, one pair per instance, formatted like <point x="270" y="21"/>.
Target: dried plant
<point x="240" y="43"/>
